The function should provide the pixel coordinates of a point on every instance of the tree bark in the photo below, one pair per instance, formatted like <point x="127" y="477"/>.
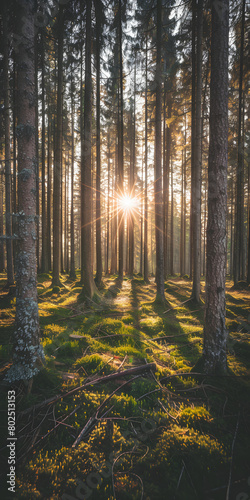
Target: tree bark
<point x="2" y="256"/>
<point x="44" y="262"/>
<point x="86" y="174"/>
<point x="8" y="210"/>
<point x="196" y="170"/>
<point x="146" y="172"/>
<point x="108" y="209"/>
<point x="57" y="199"/>
<point x="27" y="353"/>
<point x="72" y="219"/>
<point x="120" y="146"/>
<point x="98" y="277"/>
<point x="215" y="333"/>
<point x="239" y="226"/>
<point x="158" y="165"/>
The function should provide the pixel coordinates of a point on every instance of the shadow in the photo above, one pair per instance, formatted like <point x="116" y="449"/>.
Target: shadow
<point x="113" y="290"/>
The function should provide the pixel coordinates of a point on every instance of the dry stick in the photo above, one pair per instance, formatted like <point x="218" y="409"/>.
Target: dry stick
<point x="231" y="464"/>
<point x="113" y="335"/>
<point x="179" y="480"/>
<point x="190" y="479"/>
<point x="122" y="363"/>
<point x="107" y="378"/>
<point x="166" y="411"/>
<point x="157" y="339"/>
<point x="92" y="421"/>
<point x="176" y="307"/>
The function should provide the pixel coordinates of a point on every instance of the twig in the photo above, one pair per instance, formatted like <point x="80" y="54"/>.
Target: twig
<point x="157" y="339"/>
<point x="190" y="479"/>
<point x="166" y="411"/>
<point x="92" y="421"/>
<point x="179" y="480"/>
<point x="122" y="363"/>
<point x="231" y="464"/>
<point x="176" y="307"/>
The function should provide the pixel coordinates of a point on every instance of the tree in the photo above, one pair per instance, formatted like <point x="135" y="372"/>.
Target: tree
<point x="57" y="209"/>
<point x="99" y="20"/>
<point x="120" y="143"/>
<point x="86" y="178"/>
<point x="215" y="333"/>
<point x="28" y="355"/>
<point x="239" y="270"/>
<point x="158" y="165"/>
<point x="146" y="172"/>
<point x="44" y="261"/>
<point x="196" y="168"/>
<point x="9" y="246"/>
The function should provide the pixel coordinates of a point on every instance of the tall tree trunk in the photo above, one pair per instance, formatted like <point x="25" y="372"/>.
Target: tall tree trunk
<point x="2" y="257"/>
<point x="172" y="221"/>
<point x="248" y="205"/>
<point x="120" y="146"/>
<point x="14" y="183"/>
<point x="98" y="277"/>
<point x="141" y="249"/>
<point x="240" y="167"/>
<point x="158" y="165"/>
<point x="166" y="166"/>
<point x="196" y="180"/>
<point x="49" y="151"/>
<point x="57" y="208"/>
<point x="182" y="213"/>
<point x="66" y="212"/>
<point x="8" y="208"/>
<point x="185" y="196"/>
<point x="215" y="333"/>
<point x="130" y="216"/>
<point x="108" y="209"/>
<point x="37" y="156"/>
<point x="72" y="219"/>
<point x="27" y="353"/>
<point x="44" y="263"/>
<point x="193" y="131"/>
<point x="132" y="180"/>
<point x="86" y="174"/>
<point x="146" y="173"/>
<point x="113" y="268"/>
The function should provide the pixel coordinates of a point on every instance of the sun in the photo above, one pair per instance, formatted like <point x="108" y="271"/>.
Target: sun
<point x="127" y="203"/>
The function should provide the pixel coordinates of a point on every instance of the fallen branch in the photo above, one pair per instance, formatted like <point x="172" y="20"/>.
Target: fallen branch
<point x="157" y="339"/>
<point x="231" y="464"/>
<point x="176" y="307"/>
<point x="107" y="378"/>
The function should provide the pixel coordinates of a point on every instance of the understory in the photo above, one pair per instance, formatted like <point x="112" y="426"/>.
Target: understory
<point x="163" y="432"/>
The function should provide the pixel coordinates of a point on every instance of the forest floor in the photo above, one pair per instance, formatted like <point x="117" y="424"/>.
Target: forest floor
<point x="166" y="433"/>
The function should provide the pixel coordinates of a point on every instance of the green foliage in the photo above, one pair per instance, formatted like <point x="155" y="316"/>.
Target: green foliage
<point x="195" y="418"/>
<point x="92" y="364"/>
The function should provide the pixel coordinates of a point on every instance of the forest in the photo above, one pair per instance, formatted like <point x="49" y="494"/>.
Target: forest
<point x="124" y="249"/>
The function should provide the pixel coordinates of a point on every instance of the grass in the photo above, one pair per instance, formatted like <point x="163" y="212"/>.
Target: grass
<point x="171" y="434"/>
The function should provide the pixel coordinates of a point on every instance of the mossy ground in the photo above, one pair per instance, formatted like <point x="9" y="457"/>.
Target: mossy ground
<point x="162" y="436"/>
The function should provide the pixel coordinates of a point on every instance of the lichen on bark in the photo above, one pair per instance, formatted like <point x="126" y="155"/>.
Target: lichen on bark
<point x="28" y="356"/>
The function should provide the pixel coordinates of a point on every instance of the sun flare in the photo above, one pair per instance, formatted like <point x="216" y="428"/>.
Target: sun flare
<point x="127" y="203"/>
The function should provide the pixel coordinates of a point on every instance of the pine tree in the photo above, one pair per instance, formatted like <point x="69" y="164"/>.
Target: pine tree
<point x="215" y="333"/>
<point x="28" y="354"/>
